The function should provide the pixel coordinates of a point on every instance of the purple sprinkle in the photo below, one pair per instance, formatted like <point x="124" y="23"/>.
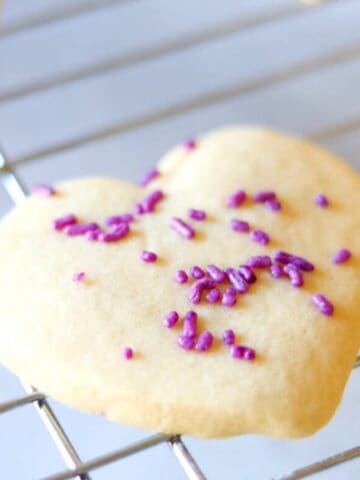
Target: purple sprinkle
<point x="228" y="337"/>
<point x="148" y="177"/>
<point x="228" y="300"/>
<point x="249" y="354"/>
<point x="302" y="263"/>
<point x="295" y="275"/>
<point x="119" y="232"/>
<point x="190" y="324"/>
<point x="237" y="351"/>
<point x="341" y="256"/>
<point x="229" y="297"/>
<point x="282" y="257"/>
<point x="93" y="235"/>
<point x="204" y="341"/>
<point x="128" y="353"/>
<point x="197" y="288"/>
<point x="273" y="205"/>
<point x="150" y="201"/>
<point x="78" y="277"/>
<point x="264" y="195"/>
<point x="260" y="237"/>
<point x="116" y="219"/>
<point x="247" y="273"/>
<point x="242" y="352"/>
<point x="321" y="200"/>
<point x="43" y="190"/>
<point x="148" y="204"/>
<point x="238" y="282"/>
<point x="194" y="294"/>
<point x="236" y="198"/>
<point x="170" y="319"/>
<point x="182" y="228"/>
<point x="187" y="343"/>
<point x="62" y="222"/>
<point x="228" y="270"/>
<point x="80" y="228"/>
<point x="276" y="271"/>
<point x="259" y="261"/>
<point x="299" y="262"/>
<point x="215" y="273"/>
<point x="181" y="276"/>
<point x="189" y="144"/>
<point x="239" y="225"/>
<point x="230" y="291"/>
<point x="197" y="272"/>
<point x="322" y="303"/>
<point x="147" y="256"/>
<point x="207" y="283"/>
<point x="213" y="296"/>
<point x="196" y="214"/>
<point x="139" y="209"/>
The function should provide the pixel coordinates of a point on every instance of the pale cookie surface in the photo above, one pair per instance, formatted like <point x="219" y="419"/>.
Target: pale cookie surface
<point x="67" y="337"/>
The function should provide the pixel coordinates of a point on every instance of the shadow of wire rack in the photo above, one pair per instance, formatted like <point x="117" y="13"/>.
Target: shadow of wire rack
<point x="76" y="468"/>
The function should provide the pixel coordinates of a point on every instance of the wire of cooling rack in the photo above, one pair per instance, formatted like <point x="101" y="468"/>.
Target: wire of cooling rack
<point x="76" y="468"/>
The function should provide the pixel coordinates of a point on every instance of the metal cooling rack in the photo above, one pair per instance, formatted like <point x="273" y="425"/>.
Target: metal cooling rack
<point x="76" y="468"/>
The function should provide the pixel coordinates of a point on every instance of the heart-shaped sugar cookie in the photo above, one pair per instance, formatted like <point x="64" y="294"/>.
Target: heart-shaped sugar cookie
<point x="82" y="315"/>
